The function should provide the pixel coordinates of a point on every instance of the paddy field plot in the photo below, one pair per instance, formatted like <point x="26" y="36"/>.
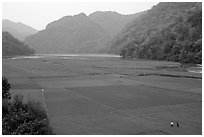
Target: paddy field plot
<point x="109" y="95"/>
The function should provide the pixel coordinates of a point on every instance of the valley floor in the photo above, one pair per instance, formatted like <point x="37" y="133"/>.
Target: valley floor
<point x="103" y="96"/>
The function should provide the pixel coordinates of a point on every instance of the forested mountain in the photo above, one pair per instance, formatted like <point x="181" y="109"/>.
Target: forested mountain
<point x="79" y="33"/>
<point x="70" y="34"/>
<point x="18" y="30"/>
<point x="112" y="22"/>
<point x="12" y="46"/>
<point x="169" y="31"/>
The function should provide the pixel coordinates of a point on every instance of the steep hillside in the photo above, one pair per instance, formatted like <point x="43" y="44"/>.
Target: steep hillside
<point x="70" y="34"/>
<point x="112" y="22"/>
<point x="18" y="30"/>
<point x="169" y="31"/>
<point x="12" y="46"/>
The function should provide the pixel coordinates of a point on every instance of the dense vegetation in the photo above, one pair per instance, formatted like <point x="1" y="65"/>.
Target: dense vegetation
<point x="19" y="118"/>
<point x="12" y="46"/>
<point x="169" y="31"/>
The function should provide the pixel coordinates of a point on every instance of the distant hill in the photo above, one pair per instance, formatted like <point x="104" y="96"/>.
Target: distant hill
<point x="70" y="34"/>
<point x="112" y="22"/>
<point x="79" y="33"/>
<point x="12" y="46"/>
<point x="18" y="30"/>
<point x="169" y="31"/>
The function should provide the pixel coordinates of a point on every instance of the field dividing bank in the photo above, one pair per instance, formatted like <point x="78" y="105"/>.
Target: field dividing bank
<point x="84" y="99"/>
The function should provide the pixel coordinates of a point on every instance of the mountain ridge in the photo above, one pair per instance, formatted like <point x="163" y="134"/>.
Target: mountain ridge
<point x="112" y="21"/>
<point x="74" y="34"/>
<point x="18" y="29"/>
<point x="69" y="35"/>
<point x="12" y="46"/>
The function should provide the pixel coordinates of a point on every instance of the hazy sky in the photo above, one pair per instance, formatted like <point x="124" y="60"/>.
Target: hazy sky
<point x="38" y="15"/>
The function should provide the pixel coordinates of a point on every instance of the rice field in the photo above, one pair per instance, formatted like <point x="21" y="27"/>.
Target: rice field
<point x="109" y="96"/>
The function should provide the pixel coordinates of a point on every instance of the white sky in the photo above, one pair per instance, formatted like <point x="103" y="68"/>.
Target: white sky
<point x="39" y="14"/>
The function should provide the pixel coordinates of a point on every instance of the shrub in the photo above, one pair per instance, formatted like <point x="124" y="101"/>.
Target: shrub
<point x="6" y="96"/>
<point x="5" y="89"/>
<point x="20" y="118"/>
